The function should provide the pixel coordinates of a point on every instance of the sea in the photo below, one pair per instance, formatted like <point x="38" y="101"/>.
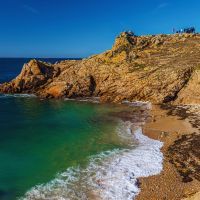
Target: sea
<point x="69" y="149"/>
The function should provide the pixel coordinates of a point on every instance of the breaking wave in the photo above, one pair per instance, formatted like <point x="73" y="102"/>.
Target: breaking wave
<point x="17" y="95"/>
<point x="110" y="175"/>
<point x="85" y="99"/>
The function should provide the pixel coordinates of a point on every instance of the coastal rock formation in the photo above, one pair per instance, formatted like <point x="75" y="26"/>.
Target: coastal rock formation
<point x="156" y="68"/>
<point x="33" y="75"/>
<point x="184" y="154"/>
<point x="191" y="91"/>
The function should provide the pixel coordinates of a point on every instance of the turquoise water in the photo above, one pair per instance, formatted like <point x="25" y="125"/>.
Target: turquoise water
<point x="39" y="139"/>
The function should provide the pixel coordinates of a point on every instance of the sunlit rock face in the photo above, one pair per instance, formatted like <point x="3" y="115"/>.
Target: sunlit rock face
<point x="157" y="68"/>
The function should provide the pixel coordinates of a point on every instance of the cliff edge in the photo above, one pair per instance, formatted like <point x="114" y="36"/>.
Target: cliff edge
<point x="156" y="68"/>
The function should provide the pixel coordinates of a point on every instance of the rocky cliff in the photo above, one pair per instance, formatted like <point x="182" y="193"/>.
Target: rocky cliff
<point x="157" y="68"/>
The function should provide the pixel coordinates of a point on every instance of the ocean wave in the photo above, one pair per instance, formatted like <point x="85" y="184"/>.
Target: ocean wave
<point x="110" y="175"/>
<point x="142" y="104"/>
<point x="85" y="99"/>
<point x="17" y="95"/>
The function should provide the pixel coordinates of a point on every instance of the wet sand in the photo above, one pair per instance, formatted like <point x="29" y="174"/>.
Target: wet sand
<point x="178" y="128"/>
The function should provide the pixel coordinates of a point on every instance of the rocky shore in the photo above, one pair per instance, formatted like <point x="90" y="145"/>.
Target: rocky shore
<point x="178" y="128"/>
<point x="162" y="69"/>
<point x="156" y="68"/>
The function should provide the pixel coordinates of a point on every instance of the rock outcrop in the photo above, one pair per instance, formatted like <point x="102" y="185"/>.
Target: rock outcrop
<point x="33" y="75"/>
<point x="191" y="91"/>
<point x="160" y="68"/>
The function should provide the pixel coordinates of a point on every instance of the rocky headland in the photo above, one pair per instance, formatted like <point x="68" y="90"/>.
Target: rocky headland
<point x="156" y="68"/>
<point x="162" y="69"/>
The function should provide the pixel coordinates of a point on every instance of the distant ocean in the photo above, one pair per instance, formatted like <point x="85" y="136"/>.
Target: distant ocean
<point x="63" y="149"/>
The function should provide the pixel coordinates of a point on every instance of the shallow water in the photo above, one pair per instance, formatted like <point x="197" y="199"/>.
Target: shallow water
<point x="69" y="150"/>
<point x="109" y="175"/>
<point x="39" y="139"/>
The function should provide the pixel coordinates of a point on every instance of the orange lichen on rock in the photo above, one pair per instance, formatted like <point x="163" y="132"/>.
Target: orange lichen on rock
<point x="156" y="68"/>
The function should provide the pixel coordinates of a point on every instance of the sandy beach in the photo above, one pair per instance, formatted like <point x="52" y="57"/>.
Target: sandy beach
<point x="178" y="128"/>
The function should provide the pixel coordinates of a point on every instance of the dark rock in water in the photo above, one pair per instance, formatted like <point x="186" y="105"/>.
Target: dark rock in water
<point x="184" y="154"/>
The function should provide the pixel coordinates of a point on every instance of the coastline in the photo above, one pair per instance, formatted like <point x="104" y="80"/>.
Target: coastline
<point x="168" y="125"/>
<point x="123" y="166"/>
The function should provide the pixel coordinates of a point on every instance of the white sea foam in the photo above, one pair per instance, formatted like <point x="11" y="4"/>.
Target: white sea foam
<point x="84" y="99"/>
<point x="111" y="175"/>
<point x="146" y="105"/>
<point x="17" y="95"/>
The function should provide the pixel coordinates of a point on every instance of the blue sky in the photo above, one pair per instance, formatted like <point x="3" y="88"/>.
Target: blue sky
<point x="79" y="28"/>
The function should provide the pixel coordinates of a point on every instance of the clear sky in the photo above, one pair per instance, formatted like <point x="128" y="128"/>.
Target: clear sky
<point x="79" y="28"/>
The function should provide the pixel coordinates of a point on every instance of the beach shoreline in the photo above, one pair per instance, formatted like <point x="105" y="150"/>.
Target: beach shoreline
<point x="174" y="126"/>
<point x="171" y="124"/>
